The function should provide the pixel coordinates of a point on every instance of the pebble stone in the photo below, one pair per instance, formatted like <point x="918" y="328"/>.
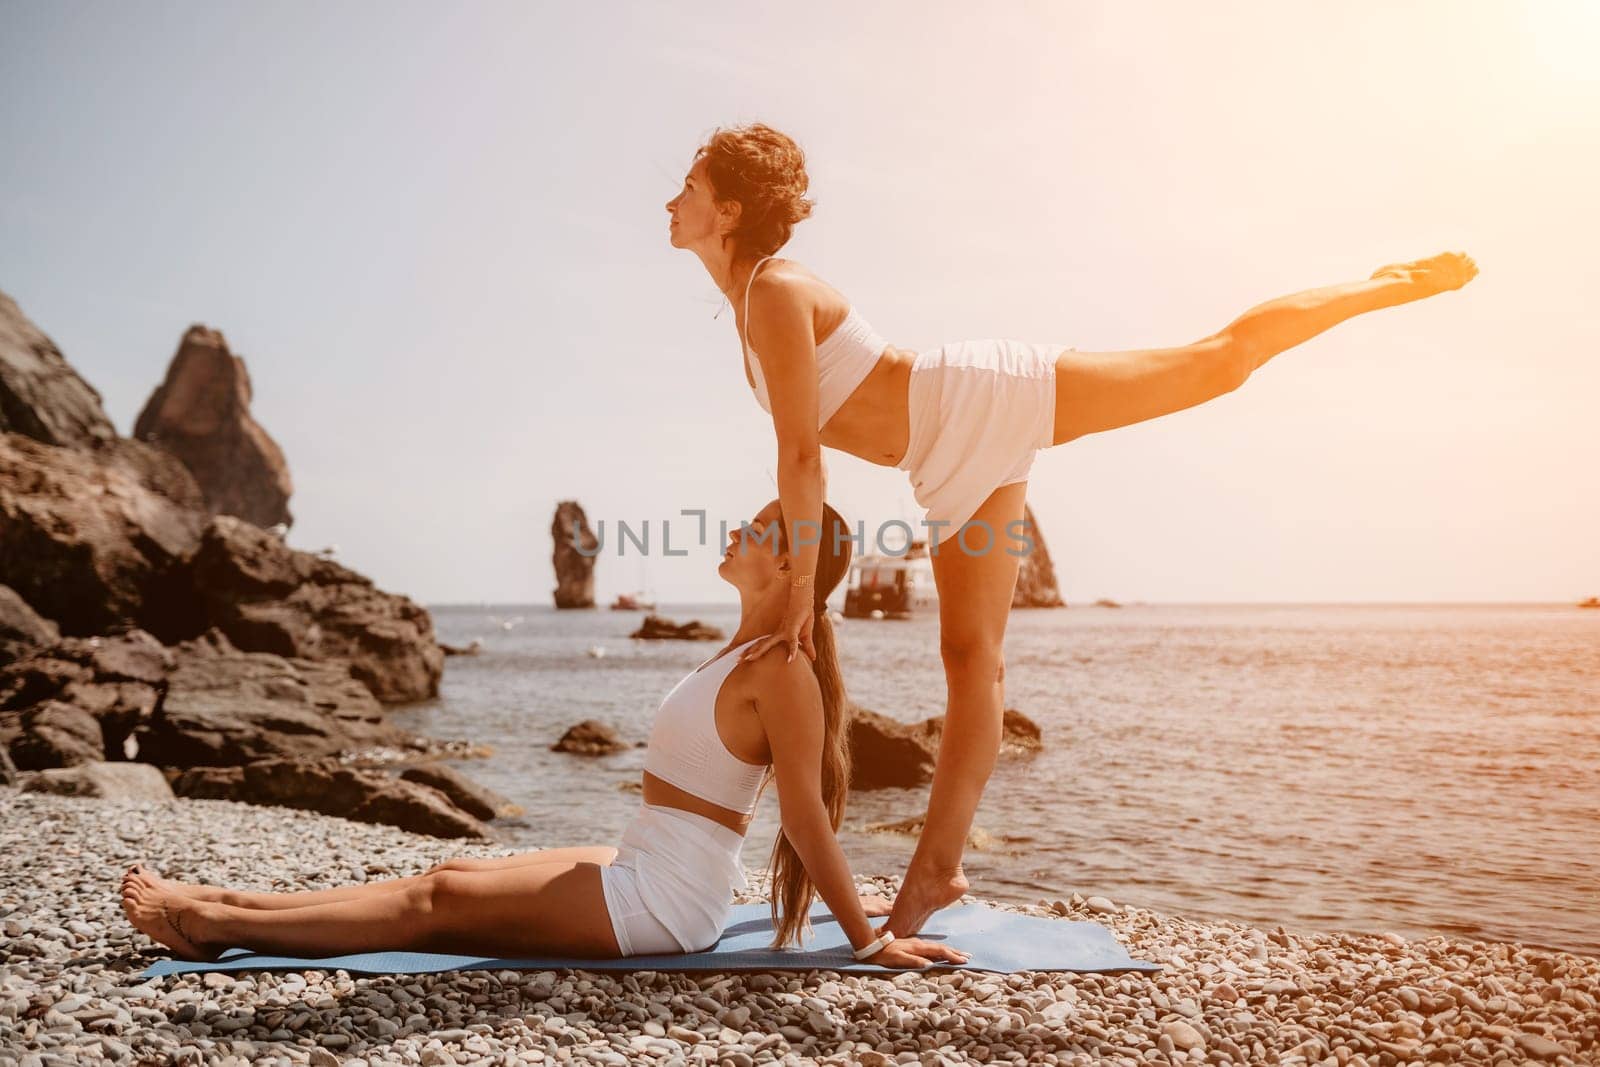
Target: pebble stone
<point x="71" y="991"/>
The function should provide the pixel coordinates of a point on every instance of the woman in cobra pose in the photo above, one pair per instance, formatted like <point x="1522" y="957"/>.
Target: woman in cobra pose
<point x="963" y="419"/>
<point x="724" y="732"/>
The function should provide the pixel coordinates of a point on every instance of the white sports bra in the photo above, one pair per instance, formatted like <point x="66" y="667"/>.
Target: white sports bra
<point x="685" y="748"/>
<point x="844" y="359"/>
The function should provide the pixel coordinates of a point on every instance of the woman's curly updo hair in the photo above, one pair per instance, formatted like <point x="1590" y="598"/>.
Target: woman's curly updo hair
<point x="764" y="171"/>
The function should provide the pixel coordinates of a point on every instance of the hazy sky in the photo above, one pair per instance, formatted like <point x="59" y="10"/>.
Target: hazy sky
<point x="437" y="235"/>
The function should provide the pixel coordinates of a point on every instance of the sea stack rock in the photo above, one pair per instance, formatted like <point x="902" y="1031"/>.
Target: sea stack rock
<point x="574" y="568"/>
<point x="1036" y="580"/>
<point x="201" y="414"/>
<point x="41" y="396"/>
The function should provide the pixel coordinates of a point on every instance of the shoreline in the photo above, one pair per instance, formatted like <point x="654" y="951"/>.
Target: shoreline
<point x="70" y="989"/>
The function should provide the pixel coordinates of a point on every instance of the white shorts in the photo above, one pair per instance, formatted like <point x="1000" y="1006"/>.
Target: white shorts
<point x="671" y="887"/>
<point x="979" y="412"/>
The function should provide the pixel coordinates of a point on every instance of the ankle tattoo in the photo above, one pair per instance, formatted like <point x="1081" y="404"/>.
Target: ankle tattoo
<point x="172" y="920"/>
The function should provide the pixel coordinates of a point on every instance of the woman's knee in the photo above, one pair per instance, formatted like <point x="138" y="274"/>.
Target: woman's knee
<point x="972" y="657"/>
<point x="435" y="891"/>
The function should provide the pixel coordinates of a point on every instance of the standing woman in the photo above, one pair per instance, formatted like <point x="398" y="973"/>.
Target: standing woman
<point x="963" y="419"/>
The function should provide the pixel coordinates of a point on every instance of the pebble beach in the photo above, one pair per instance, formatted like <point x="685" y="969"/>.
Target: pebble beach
<point x="71" y="991"/>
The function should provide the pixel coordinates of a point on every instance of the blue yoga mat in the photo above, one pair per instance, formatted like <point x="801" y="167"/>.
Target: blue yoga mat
<point x="1002" y="941"/>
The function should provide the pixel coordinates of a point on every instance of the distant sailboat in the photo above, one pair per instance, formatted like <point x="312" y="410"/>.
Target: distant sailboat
<point x="639" y="599"/>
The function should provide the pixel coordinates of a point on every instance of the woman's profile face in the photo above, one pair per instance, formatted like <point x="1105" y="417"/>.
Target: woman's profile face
<point x="752" y="560"/>
<point x="694" y="213"/>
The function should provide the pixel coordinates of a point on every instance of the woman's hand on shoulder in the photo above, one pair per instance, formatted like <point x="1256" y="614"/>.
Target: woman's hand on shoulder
<point x="794" y="633"/>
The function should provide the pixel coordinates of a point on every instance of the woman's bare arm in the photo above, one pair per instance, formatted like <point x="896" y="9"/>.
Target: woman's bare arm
<point x="790" y="708"/>
<point x="781" y="332"/>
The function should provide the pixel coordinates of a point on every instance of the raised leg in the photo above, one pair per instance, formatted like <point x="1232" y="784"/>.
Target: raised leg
<point x="1098" y="391"/>
<point x="535" y="909"/>
<point x="975" y="594"/>
<point x="238" y="898"/>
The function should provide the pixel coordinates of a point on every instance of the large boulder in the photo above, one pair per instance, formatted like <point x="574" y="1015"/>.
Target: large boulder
<point x="1036" y="577"/>
<point x="55" y="734"/>
<point x="21" y="628"/>
<point x="476" y="800"/>
<point x="268" y="597"/>
<point x="327" y="786"/>
<point x="227" y="706"/>
<point x="41" y="396"/>
<point x="81" y="698"/>
<point x="201" y="414"/>
<point x="573" y="557"/>
<point x="886" y="753"/>
<point x="116" y="781"/>
<point x="87" y="538"/>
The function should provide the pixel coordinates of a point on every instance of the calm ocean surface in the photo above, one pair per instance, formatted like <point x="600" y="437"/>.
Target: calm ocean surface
<point x="1421" y="769"/>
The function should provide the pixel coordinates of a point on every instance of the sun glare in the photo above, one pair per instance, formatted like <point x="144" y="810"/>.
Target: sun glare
<point x="1565" y="37"/>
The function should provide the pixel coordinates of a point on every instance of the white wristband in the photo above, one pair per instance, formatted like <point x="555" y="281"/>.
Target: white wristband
<point x="877" y="943"/>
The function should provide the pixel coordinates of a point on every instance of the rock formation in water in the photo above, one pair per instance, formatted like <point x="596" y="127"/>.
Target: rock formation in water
<point x="589" y="738"/>
<point x="201" y="414"/>
<point x="1036" y="579"/>
<point x="886" y="753"/>
<point x="574" y="568"/>
<point x="659" y="628"/>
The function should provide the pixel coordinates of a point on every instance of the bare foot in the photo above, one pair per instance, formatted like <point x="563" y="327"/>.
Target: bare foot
<point x="164" y="916"/>
<point x="168" y="885"/>
<point x="1435" y="274"/>
<point x="921" y="895"/>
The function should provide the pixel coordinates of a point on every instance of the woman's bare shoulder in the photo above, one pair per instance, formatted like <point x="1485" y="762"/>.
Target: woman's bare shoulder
<point x="787" y="284"/>
<point x="774" y="676"/>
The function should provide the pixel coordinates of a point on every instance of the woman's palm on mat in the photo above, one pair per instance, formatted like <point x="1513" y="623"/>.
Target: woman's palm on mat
<point x="915" y="952"/>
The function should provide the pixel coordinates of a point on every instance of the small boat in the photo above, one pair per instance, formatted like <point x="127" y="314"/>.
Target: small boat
<point x="625" y="602"/>
<point x="891" y="587"/>
<point x="1592" y="602"/>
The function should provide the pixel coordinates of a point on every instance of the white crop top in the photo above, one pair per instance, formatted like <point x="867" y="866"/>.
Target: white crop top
<point x="685" y="748"/>
<point x="844" y="359"/>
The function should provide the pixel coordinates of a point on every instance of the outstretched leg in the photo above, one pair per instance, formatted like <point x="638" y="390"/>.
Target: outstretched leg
<point x="535" y="909"/>
<point x="238" y="898"/>
<point x="1098" y="391"/>
<point x="975" y="594"/>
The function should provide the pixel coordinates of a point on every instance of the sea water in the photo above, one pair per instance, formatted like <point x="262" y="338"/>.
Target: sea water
<point x="1415" y="768"/>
